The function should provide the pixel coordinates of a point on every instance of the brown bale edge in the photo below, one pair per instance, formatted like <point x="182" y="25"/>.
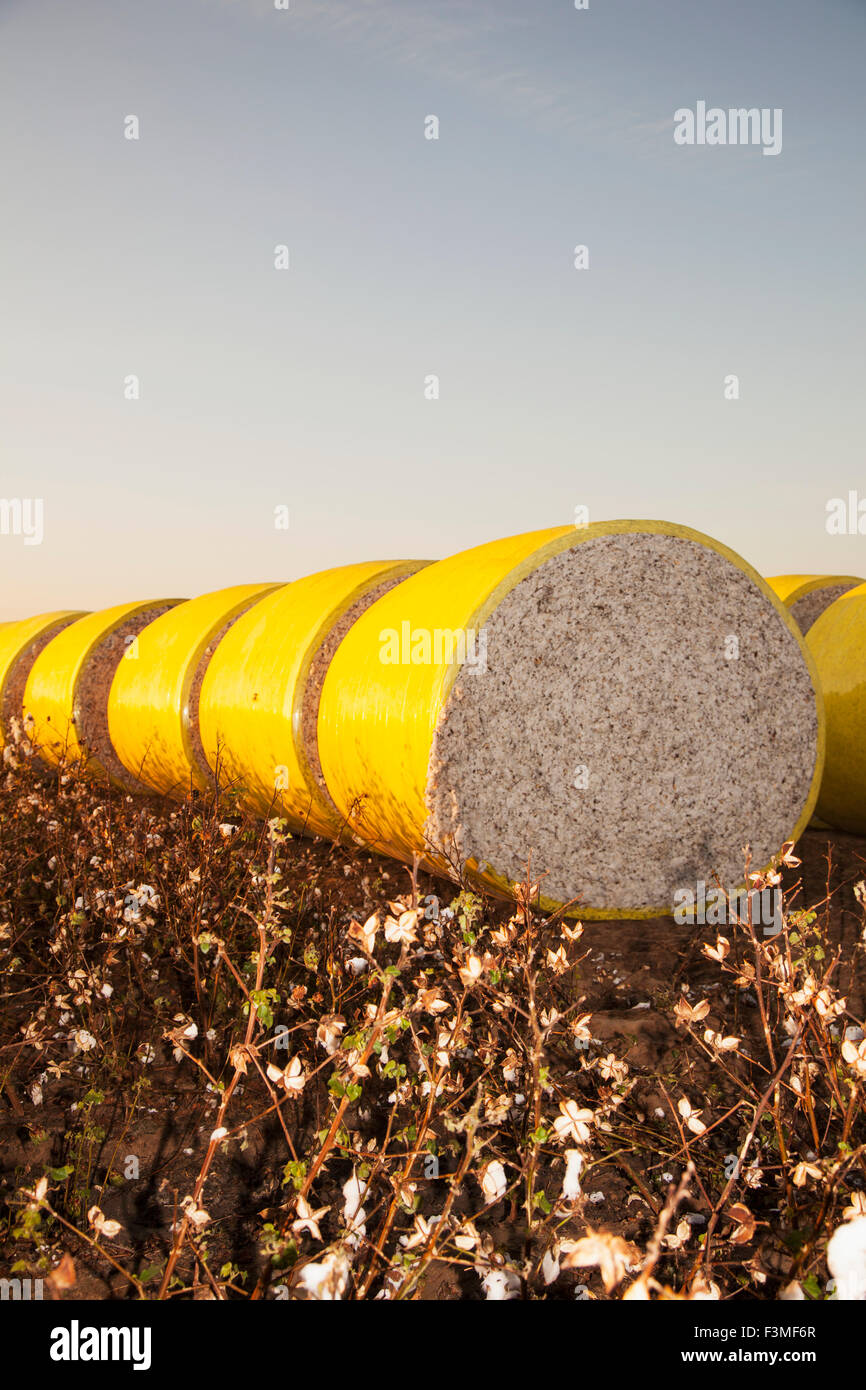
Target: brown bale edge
<point x="90" y="709"/>
<point x="12" y="704"/>
<point x="808" y="609"/>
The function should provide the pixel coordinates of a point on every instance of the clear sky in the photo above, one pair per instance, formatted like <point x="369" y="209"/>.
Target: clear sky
<point x="304" y="387"/>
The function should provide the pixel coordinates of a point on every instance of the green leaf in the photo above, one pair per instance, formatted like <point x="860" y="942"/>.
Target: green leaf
<point x="794" y="1240"/>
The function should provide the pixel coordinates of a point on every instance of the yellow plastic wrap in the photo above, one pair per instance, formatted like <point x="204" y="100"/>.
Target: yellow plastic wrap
<point x="790" y="588"/>
<point x="837" y="641"/>
<point x="17" y="639"/>
<point x="377" y="719"/>
<point x="251" y="705"/>
<point x="152" y="729"/>
<point x="51" y="698"/>
<point x="284" y="692"/>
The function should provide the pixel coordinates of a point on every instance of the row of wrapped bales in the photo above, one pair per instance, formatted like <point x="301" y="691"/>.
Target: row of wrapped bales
<point x="65" y="703"/>
<point x="153" y="702"/>
<point x="617" y="709"/>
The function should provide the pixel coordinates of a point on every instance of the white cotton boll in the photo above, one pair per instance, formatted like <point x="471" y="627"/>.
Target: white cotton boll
<point x="571" y="1180"/>
<point x="846" y="1259"/>
<point x="493" y="1181"/>
<point x="792" y="1293"/>
<point x="550" y="1265"/>
<point x="358" y="1231"/>
<point x="500" y="1284"/>
<point x="703" y="1291"/>
<point x="328" y="1280"/>
<point x="353" y="1191"/>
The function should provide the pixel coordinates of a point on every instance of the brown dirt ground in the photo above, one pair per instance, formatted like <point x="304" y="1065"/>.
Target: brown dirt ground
<point x="630" y="964"/>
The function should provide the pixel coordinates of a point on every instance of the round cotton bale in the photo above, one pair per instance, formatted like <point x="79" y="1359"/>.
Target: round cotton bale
<point x="258" y="706"/>
<point x="806" y="596"/>
<point x="837" y="641"/>
<point x="20" y="644"/>
<point x="153" y="702"/>
<point x="631" y="707"/>
<point x="66" y="695"/>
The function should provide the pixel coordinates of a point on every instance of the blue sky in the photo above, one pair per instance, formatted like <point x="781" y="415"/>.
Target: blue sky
<point x="305" y="388"/>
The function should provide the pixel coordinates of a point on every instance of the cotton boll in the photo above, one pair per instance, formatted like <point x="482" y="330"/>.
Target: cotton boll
<point x="493" y="1181"/>
<point x="353" y="1191"/>
<point x="550" y="1265"/>
<point x="328" y="1280"/>
<point x="571" y="1180"/>
<point x="792" y="1293"/>
<point x="846" y="1259"/>
<point x="500" y="1284"/>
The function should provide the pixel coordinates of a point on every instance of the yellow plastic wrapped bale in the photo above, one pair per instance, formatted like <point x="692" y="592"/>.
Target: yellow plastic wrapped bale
<point x="20" y="644"/>
<point x="153" y="703"/>
<point x="66" y="695"/>
<point x="259" y="697"/>
<point x="632" y="704"/>
<point x="837" y="641"/>
<point x="806" y="596"/>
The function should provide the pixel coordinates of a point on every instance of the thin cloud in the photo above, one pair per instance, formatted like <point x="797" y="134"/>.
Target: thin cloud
<point x="457" y="43"/>
<point x="470" y="45"/>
